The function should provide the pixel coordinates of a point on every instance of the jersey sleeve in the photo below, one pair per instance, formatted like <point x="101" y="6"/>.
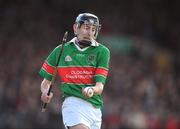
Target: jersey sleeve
<point x="102" y="66"/>
<point x="49" y="66"/>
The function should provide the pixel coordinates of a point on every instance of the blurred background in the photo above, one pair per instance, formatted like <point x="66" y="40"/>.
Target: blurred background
<point x="143" y="86"/>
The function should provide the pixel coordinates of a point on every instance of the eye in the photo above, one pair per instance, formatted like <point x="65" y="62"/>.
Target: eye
<point x="87" y="27"/>
<point x="93" y="29"/>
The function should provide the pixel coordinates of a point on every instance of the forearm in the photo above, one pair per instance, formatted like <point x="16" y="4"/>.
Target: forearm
<point x="45" y="84"/>
<point x="98" y="88"/>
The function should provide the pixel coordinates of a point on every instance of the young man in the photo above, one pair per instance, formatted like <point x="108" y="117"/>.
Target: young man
<point x="83" y="69"/>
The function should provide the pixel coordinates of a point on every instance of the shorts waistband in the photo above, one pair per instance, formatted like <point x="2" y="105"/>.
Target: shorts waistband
<point x="73" y="98"/>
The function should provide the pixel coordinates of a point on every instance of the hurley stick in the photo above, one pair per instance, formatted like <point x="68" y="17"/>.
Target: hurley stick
<point x="55" y="71"/>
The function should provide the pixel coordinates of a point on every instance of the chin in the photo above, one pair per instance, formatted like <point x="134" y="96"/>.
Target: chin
<point x="86" y="39"/>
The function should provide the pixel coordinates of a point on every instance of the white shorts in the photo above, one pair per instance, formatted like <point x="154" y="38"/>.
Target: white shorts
<point x="78" y="111"/>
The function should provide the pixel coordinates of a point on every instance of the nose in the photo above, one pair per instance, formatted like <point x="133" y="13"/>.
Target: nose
<point x="88" y="31"/>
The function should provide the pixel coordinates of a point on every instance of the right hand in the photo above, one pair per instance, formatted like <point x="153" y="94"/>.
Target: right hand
<point x="45" y="98"/>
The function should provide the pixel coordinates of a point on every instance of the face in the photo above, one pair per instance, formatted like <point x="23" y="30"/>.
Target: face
<point x="85" y="31"/>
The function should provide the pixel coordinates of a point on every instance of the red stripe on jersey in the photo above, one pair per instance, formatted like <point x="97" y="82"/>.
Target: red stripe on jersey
<point x="101" y="71"/>
<point x="48" y="68"/>
<point x="77" y="75"/>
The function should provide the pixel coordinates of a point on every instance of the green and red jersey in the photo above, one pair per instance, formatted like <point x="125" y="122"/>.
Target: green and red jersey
<point x="78" y="68"/>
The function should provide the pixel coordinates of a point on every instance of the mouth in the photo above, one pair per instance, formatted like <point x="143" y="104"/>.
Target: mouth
<point x="87" y="38"/>
<point x="90" y="39"/>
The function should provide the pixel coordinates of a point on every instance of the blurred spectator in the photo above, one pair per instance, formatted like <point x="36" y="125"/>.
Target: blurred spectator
<point x="142" y="91"/>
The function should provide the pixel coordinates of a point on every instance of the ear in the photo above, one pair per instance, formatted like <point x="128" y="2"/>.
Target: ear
<point x="75" y="26"/>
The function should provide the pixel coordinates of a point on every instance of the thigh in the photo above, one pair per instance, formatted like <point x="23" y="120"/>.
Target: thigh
<point x="74" y="114"/>
<point x="79" y="126"/>
<point x="78" y="114"/>
<point x="96" y="125"/>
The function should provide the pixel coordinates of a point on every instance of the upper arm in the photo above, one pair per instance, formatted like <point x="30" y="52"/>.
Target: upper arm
<point x="102" y="65"/>
<point x="48" y="68"/>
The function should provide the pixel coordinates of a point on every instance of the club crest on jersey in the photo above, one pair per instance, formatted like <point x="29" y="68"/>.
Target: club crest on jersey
<point x="91" y="58"/>
<point x="68" y="58"/>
